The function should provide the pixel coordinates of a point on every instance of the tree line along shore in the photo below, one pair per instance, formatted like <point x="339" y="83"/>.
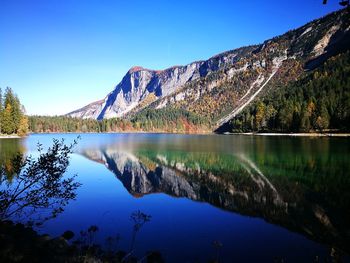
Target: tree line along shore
<point x="317" y="103"/>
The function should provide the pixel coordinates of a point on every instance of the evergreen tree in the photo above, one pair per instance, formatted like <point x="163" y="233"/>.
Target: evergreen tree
<point x="7" y="120"/>
<point x="260" y="122"/>
<point x="1" y="108"/>
<point x="322" y="121"/>
<point x="12" y="119"/>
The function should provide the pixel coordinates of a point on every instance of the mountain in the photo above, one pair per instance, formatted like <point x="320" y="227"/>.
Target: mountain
<point x="220" y="88"/>
<point x="140" y="86"/>
<point x="235" y="184"/>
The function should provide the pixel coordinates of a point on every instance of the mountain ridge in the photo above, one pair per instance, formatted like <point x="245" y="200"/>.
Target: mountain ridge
<point x="152" y="78"/>
<point x="220" y="87"/>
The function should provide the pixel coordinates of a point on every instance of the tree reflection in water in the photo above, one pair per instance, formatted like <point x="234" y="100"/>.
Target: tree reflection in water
<point x="17" y="240"/>
<point x="9" y="149"/>
<point x="34" y="190"/>
<point x="86" y="245"/>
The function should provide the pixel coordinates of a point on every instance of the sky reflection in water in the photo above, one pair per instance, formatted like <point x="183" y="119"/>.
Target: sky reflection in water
<point x="261" y="197"/>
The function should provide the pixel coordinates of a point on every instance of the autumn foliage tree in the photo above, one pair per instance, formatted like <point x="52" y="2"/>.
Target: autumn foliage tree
<point x="12" y="118"/>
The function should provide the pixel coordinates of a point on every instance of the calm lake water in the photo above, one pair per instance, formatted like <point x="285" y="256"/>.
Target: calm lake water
<point x="236" y="198"/>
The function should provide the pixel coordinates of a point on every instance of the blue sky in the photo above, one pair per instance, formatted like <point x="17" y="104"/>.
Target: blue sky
<point x="59" y="55"/>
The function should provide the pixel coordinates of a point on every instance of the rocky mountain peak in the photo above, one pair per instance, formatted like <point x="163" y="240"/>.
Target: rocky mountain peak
<point x="239" y="75"/>
<point x="136" y="69"/>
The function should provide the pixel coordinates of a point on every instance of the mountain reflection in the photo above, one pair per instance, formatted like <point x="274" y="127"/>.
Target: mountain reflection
<point x="299" y="197"/>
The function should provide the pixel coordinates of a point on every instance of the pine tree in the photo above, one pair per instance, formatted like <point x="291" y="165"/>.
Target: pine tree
<point x="305" y="120"/>
<point x="260" y="121"/>
<point x="322" y="121"/>
<point x="1" y="108"/>
<point x="7" y="120"/>
<point x="16" y="113"/>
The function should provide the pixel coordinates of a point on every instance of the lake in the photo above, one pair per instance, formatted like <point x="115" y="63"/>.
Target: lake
<point x="209" y="197"/>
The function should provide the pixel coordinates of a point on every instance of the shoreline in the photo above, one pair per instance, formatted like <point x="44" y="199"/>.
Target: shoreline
<point x="129" y="132"/>
<point x="313" y="134"/>
<point x="2" y="136"/>
<point x="303" y="134"/>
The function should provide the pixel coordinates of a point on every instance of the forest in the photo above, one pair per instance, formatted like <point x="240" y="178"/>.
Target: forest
<point x="161" y="120"/>
<point x="12" y="115"/>
<point x="318" y="102"/>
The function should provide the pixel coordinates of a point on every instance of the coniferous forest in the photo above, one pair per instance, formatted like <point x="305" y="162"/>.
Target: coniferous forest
<point x="12" y="116"/>
<point x="162" y="120"/>
<point x="320" y="101"/>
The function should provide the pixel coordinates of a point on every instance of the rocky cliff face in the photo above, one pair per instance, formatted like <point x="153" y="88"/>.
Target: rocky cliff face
<point x="222" y="86"/>
<point x="140" y="86"/>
